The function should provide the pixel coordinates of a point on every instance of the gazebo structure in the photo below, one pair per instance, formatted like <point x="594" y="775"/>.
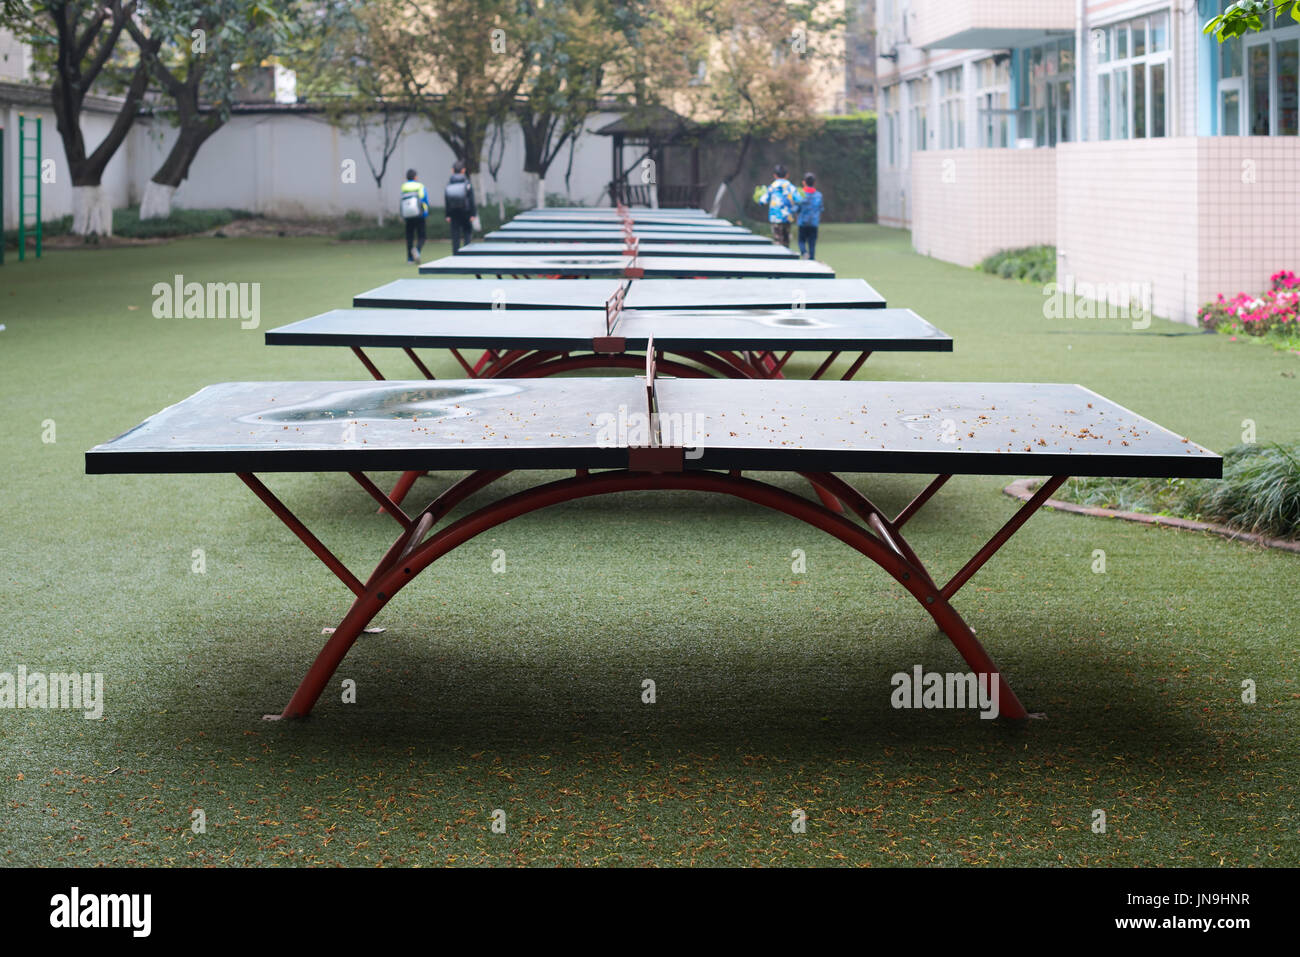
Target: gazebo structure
<point x="656" y="159"/>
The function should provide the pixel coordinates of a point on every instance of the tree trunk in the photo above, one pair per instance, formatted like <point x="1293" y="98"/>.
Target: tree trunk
<point x="157" y="201"/>
<point x="717" y="199"/>
<point x="92" y="213"/>
<point x="535" y="183"/>
<point x="193" y="133"/>
<point x="379" y="192"/>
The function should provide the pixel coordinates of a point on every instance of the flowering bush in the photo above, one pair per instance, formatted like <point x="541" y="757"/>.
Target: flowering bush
<point x="1275" y="310"/>
<point x="1284" y="279"/>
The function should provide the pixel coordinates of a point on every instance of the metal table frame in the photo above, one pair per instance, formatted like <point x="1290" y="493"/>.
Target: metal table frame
<point x="874" y="534"/>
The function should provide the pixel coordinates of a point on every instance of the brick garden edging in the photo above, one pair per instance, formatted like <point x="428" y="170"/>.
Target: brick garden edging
<point x="1023" y="489"/>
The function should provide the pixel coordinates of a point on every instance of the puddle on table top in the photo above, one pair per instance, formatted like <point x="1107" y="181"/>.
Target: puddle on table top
<point x="379" y="403"/>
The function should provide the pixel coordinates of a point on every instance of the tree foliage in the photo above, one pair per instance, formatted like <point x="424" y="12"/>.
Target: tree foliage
<point x="748" y="68"/>
<point x="194" y="50"/>
<point x="1248" y="16"/>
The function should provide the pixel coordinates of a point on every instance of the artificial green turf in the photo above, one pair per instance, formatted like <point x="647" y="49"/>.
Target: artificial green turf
<point x="521" y="690"/>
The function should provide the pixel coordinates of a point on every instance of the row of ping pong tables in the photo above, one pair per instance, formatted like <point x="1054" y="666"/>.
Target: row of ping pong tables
<point x="712" y="407"/>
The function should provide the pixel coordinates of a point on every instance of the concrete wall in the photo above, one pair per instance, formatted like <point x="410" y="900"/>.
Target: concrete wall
<point x="291" y="164"/>
<point x="970" y="203"/>
<point x="15" y="57"/>
<point x="281" y="164"/>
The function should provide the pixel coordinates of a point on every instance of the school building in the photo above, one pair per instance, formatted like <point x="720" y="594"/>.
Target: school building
<point x="1148" y="153"/>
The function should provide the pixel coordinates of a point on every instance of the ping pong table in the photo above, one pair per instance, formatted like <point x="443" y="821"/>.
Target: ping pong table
<point x="618" y="210"/>
<point x="608" y="435"/>
<point x="734" y="344"/>
<point x="680" y="250"/>
<point x="602" y="213"/>
<point x="608" y="232"/>
<point x="631" y="267"/>
<point x="641" y="294"/>
<point x="637" y="218"/>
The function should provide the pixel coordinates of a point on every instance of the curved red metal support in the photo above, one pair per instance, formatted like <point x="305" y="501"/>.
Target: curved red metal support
<point x="571" y="363"/>
<point x="412" y="557"/>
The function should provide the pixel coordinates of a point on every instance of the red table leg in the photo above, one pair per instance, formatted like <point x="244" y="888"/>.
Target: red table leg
<point x="412" y="552"/>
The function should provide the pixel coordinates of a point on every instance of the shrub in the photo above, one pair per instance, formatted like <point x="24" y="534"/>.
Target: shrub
<point x="1274" y="311"/>
<point x="182" y="222"/>
<point x="128" y="225"/>
<point x="1259" y="492"/>
<point x="1036" y="264"/>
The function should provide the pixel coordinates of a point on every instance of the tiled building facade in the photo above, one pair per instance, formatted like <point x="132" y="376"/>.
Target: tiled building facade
<point x="1114" y="129"/>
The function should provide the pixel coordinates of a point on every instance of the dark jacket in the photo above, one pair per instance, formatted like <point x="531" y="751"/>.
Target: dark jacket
<point x="472" y="210"/>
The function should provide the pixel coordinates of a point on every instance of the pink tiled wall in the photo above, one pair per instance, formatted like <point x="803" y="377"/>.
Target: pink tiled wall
<point x="1249" y="191"/>
<point x="1126" y="214"/>
<point x="1191" y="216"/>
<point x="968" y="204"/>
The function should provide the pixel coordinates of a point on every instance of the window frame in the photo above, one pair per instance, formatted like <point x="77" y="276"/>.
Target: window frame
<point x="952" y="108"/>
<point x="993" y="103"/>
<point x="1273" y="35"/>
<point x="918" y="113"/>
<point x="1124" y="34"/>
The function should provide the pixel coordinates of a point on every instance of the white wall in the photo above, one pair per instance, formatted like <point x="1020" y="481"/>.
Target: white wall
<point x="15" y="57"/>
<point x="56" y="197"/>
<point x="291" y="164"/>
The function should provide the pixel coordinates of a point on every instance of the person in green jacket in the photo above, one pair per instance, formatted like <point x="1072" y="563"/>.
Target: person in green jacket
<point x="415" y="209"/>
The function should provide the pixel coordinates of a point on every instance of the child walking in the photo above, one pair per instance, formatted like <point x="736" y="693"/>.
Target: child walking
<point x="810" y="217"/>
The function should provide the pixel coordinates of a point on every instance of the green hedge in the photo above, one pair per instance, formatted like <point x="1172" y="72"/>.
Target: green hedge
<point x="842" y="154"/>
<point x="127" y="224"/>
<point x="1036" y="264"/>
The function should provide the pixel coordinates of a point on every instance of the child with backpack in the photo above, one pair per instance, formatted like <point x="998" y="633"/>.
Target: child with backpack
<point x="458" y="204"/>
<point x="414" y="207"/>
<point x="810" y="217"/>
<point x="780" y="198"/>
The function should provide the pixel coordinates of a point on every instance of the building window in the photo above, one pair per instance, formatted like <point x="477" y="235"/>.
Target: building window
<point x="952" y="109"/>
<point x="992" y="97"/>
<point x="1045" y="93"/>
<point x="918" y="94"/>
<point x="889" y="99"/>
<point x="1133" y="78"/>
<point x="1258" y="75"/>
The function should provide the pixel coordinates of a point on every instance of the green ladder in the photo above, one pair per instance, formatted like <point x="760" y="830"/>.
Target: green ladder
<point x="3" y="240"/>
<point x="29" y="184"/>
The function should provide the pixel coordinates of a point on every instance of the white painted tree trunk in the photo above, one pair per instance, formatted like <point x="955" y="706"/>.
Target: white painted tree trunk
<point x="535" y="186"/>
<point x="92" y="214"/>
<point x="157" y="201"/>
<point x="717" y="199"/>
